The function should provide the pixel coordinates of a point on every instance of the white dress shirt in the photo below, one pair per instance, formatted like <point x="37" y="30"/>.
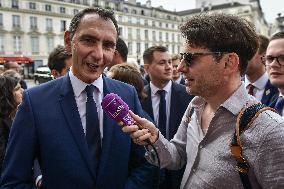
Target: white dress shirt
<point x="259" y="85"/>
<point x="81" y="98"/>
<point x="156" y="101"/>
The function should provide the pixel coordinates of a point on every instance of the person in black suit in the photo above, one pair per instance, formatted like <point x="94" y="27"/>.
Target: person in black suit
<point x="256" y="78"/>
<point x="274" y="60"/>
<point x="158" y="64"/>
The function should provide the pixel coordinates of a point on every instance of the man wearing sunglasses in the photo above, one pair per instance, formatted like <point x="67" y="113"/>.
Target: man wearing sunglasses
<point x="217" y="49"/>
<point x="274" y="61"/>
<point x="256" y="80"/>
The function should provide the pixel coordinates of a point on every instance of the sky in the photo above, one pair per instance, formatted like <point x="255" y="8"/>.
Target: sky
<point x="270" y="7"/>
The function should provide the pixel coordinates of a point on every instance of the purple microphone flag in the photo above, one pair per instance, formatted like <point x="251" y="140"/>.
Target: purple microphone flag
<point x="117" y="109"/>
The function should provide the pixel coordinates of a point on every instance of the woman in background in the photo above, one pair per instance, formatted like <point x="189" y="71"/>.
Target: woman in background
<point x="11" y="95"/>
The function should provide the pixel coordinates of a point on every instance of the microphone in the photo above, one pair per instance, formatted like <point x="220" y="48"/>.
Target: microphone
<point x="117" y="109"/>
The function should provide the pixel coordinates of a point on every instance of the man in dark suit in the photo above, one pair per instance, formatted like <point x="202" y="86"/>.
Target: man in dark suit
<point x="177" y="76"/>
<point x="274" y="60"/>
<point x="54" y="123"/>
<point x="158" y="64"/>
<point x="256" y="79"/>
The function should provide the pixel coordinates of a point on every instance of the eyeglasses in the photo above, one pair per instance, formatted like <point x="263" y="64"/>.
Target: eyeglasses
<point x="269" y="59"/>
<point x="189" y="57"/>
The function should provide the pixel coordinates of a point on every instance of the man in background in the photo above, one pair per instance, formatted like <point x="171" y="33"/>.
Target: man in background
<point x="274" y="61"/>
<point x="165" y="103"/>
<point x="177" y="76"/>
<point x="120" y="53"/>
<point x="256" y="79"/>
<point x="59" y="61"/>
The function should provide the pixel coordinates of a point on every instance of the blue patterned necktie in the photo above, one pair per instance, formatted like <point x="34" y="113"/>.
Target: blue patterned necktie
<point x="93" y="136"/>
<point x="279" y="105"/>
<point x="162" y="113"/>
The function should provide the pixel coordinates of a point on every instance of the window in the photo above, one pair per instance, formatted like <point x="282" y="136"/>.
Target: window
<point x="50" y="44"/>
<point x="2" y="44"/>
<point x="160" y="36"/>
<point x="35" y="44"/>
<point x="167" y="37"/>
<point x="173" y="37"/>
<point x="130" y="33"/>
<point x="48" y="7"/>
<point x="130" y="48"/>
<point x="15" y="4"/>
<point x="129" y="19"/>
<point x="62" y="25"/>
<point x="62" y="10"/>
<point x="146" y="34"/>
<point x="75" y="11"/>
<point x="146" y="46"/>
<point x="48" y="24"/>
<point x="33" y="22"/>
<point x="173" y="49"/>
<point x="138" y="33"/>
<point x="17" y="41"/>
<point x="138" y="48"/>
<point x="154" y="35"/>
<point x="32" y="5"/>
<point x="16" y="21"/>
<point x="1" y="19"/>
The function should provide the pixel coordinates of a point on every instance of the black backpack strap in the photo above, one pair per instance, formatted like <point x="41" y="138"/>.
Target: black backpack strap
<point x="244" y="120"/>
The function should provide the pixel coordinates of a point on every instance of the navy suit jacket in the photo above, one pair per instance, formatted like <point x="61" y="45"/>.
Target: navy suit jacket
<point x="48" y="127"/>
<point x="179" y="102"/>
<point x="269" y="94"/>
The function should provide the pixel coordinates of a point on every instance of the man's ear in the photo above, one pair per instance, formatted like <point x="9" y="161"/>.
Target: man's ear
<point x="146" y="67"/>
<point x="67" y="41"/>
<point x="232" y="62"/>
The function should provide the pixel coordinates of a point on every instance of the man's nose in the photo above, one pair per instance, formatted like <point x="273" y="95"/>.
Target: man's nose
<point x="181" y="66"/>
<point x="97" y="51"/>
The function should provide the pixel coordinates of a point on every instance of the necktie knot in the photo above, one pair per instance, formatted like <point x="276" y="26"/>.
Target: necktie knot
<point x="161" y="93"/>
<point x="89" y="90"/>
<point x="250" y="89"/>
<point x="279" y="104"/>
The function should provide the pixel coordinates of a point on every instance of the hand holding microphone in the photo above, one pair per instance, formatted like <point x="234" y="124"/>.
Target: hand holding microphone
<point x="140" y="129"/>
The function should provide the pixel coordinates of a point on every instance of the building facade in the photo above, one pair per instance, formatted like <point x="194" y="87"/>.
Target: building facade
<point x="34" y="27"/>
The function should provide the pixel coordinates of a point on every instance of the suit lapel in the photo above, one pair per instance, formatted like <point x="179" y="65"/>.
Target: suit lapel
<point x="269" y="93"/>
<point x="175" y="101"/>
<point x="72" y="116"/>
<point x="108" y="127"/>
<point x="147" y="103"/>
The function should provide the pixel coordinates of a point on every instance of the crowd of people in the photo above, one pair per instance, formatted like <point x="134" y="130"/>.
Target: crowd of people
<point x="189" y="106"/>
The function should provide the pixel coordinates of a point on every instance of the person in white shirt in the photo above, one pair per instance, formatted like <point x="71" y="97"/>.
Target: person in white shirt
<point x="256" y="78"/>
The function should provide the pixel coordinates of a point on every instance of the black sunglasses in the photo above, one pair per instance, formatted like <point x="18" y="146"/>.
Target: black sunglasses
<point x="189" y="57"/>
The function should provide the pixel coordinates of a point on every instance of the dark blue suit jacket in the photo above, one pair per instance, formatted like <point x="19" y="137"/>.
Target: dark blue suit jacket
<point x="269" y="94"/>
<point x="179" y="102"/>
<point x="48" y="127"/>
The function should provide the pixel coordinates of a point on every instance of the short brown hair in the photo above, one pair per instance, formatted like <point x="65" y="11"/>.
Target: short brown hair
<point x="263" y="44"/>
<point x="222" y="33"/>
<point x="130" y="74"/>
<point x="148" y="53"/>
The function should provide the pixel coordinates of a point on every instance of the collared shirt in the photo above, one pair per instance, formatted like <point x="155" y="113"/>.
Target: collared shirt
<point x="81" y="98"/>
<point x="178" y="79"/>
<point x="259" y="85"/>
<point x="209" y="163"/>
<point x="156" y="101"/>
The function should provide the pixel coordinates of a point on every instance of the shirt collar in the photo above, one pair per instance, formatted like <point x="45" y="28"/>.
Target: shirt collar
<point x="155" y="89"/>
<point x="238" y="100"/>
<point x="260" y="83"/>
<point x="79" y="86"/>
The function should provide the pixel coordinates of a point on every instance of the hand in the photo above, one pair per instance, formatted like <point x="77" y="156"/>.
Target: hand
<point x="143" y="130"/>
